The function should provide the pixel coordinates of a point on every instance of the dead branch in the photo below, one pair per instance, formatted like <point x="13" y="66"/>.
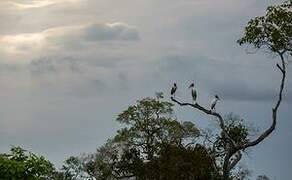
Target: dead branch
<point x="237" y="148"/>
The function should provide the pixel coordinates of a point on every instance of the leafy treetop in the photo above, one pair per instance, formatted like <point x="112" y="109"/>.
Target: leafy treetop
<point x="274" y="30"/>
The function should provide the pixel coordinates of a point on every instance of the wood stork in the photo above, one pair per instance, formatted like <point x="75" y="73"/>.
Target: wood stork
<point x="194" y="92"/>
<point x="173" y="90"/>
<point x="214" y="102"/>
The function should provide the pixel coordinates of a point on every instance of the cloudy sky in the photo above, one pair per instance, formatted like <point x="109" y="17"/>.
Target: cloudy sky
<point x="68" y="67"/>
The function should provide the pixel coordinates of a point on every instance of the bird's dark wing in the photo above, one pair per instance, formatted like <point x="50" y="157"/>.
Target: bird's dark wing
<point x="172" y="91"/>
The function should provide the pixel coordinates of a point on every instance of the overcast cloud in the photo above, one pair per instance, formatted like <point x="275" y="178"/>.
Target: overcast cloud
<point x="68" y="67"/>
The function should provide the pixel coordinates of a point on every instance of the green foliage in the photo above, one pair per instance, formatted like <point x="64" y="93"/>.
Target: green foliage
<point x="274" y="30"/>
<point x="182" y="163"/>
<point x="153" y="145"/>
<point x="236" y="129"/>
<point x="72" y="168"/>
<point x="149" y="123"/>
<point x="103" y="164"/>
<point x="19" y="164"/>
<point x="171" y="162"/>
<point x="150" y="143"/>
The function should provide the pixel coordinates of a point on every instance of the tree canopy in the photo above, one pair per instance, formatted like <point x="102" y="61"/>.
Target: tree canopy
<point x="274" y="30"/>
<point x="20" y="164"/>
<point x="151" y="145"/>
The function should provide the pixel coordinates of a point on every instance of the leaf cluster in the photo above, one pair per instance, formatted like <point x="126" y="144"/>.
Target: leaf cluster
<point x="273" y="30"/>
<point x="19" y="164"/>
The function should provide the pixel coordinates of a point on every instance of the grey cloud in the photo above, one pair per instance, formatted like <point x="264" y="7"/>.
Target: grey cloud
<point x="236" y="82"/>
<point x="116" y="31"/>
<point x="91" y="33"/>
<point x="78" y="77"/>
<point x="54" y="65"/>
<point x="238" y="92"/>
<point x="69" y="37"/>
<point x="66" y="75"/>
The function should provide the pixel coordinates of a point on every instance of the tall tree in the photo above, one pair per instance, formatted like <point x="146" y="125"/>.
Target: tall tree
<point x="272" y="32"/>
<point x="149" y="123"/>
<point x="152" y="145"/>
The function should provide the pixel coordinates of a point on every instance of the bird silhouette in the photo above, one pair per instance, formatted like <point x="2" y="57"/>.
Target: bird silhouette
<point x="214" y="102"/>
<point x="193" y="92"/>
<point x="173" y="90"/>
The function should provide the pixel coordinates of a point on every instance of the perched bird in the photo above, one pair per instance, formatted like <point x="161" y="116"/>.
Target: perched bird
<point x="173" y="90"/>
<point x="194" y="92"/>
<point x="214" y="101"/>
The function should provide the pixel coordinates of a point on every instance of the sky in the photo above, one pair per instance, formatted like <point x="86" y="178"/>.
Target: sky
<point x="69" y="67"/>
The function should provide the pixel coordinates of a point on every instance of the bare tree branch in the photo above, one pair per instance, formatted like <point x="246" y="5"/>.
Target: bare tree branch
<point x="278" y="66"/>
<point x="274" y="109"/>
<point x="236" y="148"/>
<point x="209" y="112"/>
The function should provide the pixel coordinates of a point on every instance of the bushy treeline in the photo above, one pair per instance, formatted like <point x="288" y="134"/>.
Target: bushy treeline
<point x="152" y="145"/>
